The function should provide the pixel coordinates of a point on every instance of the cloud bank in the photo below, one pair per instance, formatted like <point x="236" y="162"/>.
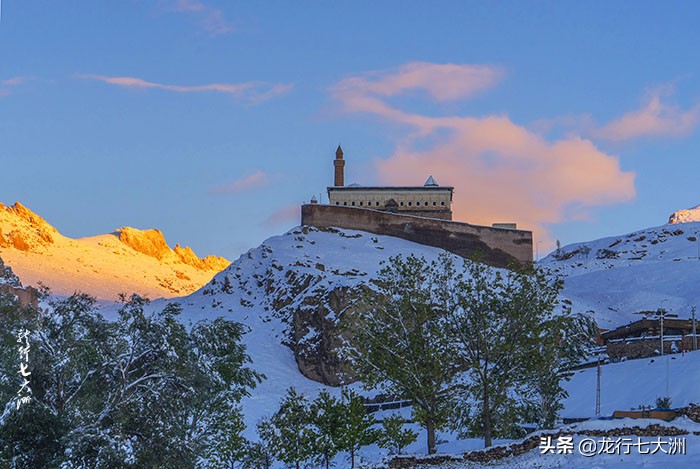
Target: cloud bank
<point x="255" y="180"/>
<point x="653" y="119"/>
<point x="252" y="91"/>
<point x="284" y="215"/>
<point x="7" y="85"/>
<point x="211" y="19"/>
<point x="501" y="171"/>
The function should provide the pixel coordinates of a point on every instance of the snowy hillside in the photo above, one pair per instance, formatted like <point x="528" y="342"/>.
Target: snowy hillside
<point x="633" y="383"/>
<point x="125" y="261"/>
<point x="268" y="288"/>
<point x="619" y="276"/>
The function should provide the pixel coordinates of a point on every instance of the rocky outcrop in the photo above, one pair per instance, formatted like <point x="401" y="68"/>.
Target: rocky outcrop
<point x="685" y="216"/>
<point x="149" y="242"/>
<point x="28" y="231"/>
<point x="152" y="243"/>
<point x="318" y="334"/>
<point x="187" y="256"/>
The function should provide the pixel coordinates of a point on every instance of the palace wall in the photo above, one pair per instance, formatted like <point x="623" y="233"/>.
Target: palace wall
<point x="495" y="246"/>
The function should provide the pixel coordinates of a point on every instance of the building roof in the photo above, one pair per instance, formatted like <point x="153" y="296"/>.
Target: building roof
<point x="430" y="182"/>
<point x="355" y="187"/>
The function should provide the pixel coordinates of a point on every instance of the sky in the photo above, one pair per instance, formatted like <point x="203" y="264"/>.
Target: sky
<point x="214" y="120"/>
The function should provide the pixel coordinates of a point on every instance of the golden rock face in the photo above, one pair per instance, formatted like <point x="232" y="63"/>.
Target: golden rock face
<point x="124" y="261"/>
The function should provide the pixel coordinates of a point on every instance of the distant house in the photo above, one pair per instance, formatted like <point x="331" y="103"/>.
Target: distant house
<point x="649" y="327"/>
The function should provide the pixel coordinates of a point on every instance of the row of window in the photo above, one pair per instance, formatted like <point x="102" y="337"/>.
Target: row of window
<point x="369" y="204"/>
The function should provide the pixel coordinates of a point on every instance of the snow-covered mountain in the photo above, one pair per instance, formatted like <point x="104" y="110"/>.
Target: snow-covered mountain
<point x="125" y="261"/>
<point x="619" y="276"/>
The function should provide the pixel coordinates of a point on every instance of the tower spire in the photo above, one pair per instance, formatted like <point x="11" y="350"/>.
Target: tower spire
<point x="339" y="164"/>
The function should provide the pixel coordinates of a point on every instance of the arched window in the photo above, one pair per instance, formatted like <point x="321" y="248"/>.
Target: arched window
<point x="353" y="204"/>
<point x="360" y="203"/>
<point x="442" y="203"/>
<point x="434" y="203"/>
<point x="345" y="203"/>
<point x="409" y="204"/>
<point x="337" y="203"/>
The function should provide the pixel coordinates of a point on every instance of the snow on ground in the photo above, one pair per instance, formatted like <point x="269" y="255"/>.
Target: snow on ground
<point x="347" y="258"/>
<point x="633" y="383"/>
<point x="619" y="276"/>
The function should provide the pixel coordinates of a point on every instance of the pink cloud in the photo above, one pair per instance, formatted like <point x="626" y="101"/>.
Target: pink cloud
<point x="188" y="6"/>
<point x="653" y="119"/>
<point x="253" y="91"/>
<point x="7" y="85"/>
<point x="502" y="172"/>
<point x="443" y="82"/>
<point x="253" y="181"/>
<point x="367" y="93"/>
<point x="276" y="90"/>
<point x="212" y="19"/>
<point x="15" y="81"/>
<point x="285" y="215"/>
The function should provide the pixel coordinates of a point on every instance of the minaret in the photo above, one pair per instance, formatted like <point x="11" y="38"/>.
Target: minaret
<point x="339" y="164"/>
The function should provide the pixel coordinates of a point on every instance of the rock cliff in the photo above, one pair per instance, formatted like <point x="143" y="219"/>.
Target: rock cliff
<point x="685" y="216"/>
<point x="126" y="261"/>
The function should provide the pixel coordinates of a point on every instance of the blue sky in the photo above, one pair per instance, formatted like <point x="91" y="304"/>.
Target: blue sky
<point x="213" y="120"/>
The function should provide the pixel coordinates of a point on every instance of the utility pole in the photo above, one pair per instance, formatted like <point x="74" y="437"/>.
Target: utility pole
<point x="695" y="336"/>
<point x="668" y="359"/>
<point x="662" y="313"/>
<point x="597" y="392"/>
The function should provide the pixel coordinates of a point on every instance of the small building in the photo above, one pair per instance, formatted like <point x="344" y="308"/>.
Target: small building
<point x="649" y="327"/>
<point x="429" y="200"/>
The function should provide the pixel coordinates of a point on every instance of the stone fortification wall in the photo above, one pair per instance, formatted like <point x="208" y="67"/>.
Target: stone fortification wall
<point x="497" y="247"/>
<point x="26" y="296"/>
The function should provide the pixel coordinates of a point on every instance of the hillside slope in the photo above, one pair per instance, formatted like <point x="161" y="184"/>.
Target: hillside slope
<point x="619" y="276"/>
<point x="126" y="261"/>
<point x="272" y="288"/>
<point x="289" y="293"/>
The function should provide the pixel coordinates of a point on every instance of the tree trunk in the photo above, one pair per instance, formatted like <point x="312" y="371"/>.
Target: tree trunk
<point x="487" y="418"/>
<point x="430" y="426"/>
<point x="352" y="459"/>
